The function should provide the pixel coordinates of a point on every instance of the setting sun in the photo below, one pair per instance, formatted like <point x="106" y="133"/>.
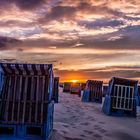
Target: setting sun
<point x="74" y="81"/>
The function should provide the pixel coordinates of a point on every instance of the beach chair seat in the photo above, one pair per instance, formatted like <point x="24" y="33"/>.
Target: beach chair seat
<point x="122" y="98"/>
<point x="93" y="91"/>
<point x="26" y="99"/>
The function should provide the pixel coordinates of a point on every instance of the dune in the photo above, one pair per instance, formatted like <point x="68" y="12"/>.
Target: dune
<point x="75" y="120"/>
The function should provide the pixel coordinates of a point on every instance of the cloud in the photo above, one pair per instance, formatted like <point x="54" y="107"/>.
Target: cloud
<point x="108" y="42"/>
<point x="60" y="12"/>
<point x="101" y="23"/>
<point x="73" y="12"/>
<point x="16" y="23"/>
<point x="7" y="42"/>
<point x="23" y="4"/>
<point x="29" y="4"/>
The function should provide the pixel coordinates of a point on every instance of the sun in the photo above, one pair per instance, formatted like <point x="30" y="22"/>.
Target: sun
<point x="74" y="81"/>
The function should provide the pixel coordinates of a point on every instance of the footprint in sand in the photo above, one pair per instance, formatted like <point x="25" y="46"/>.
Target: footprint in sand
<point x="102" y="122"/>
<point x="90" y="118"/>
<point x="82" y="135"/>
<point x="64" y="132"/>
<point x="88" y="132"/>
<point x="102" y="130"/>
<point x="66" y="126"/>
<point x="99" y="129"/>
<point x="86" y="123"/>
<point x="97" y="136"/>
<point x="74" y="127"/>
<point x="96" y="126"/>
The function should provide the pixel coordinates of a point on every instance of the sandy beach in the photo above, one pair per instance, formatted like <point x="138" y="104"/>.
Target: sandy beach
<point x="75" y="120"/>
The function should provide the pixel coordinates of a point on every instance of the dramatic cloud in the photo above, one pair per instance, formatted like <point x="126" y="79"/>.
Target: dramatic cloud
<point x="23" y="4"/>
<point x="88" y="38"/>
<point x="60" y="12"/>
<point x="6" y="42"/>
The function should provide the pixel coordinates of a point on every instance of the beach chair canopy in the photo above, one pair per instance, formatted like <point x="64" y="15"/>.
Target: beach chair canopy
<point x="26" y="91"/>
<point x="122" y="82"/>
<point x="25" y="69"/>
<point x="91" y="83"/>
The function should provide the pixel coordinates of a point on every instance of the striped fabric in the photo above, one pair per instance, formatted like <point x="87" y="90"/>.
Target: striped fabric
<point x="94" y="83"/>
<point x="25" y="69"/>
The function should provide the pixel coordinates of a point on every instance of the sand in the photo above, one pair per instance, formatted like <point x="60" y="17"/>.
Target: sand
<point x="75" y="120"/>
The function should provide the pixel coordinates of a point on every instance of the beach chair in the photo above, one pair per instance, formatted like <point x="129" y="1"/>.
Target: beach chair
<point x="93" y="91"/>
<point x="26" y="107"/>
<point x="56" y="89"/>
<point x="75" y="88"/>
<point x="122" y="97"/>
<point x="66" y="87"/>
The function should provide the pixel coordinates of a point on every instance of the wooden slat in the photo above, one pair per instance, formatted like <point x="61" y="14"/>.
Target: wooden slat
<point x="96" y="87"/>
<point x="46" y="89"/>
<point x="113" y="104"/>
<point x="5" y="97"/>
<point x="98" y="91"/>
<point x="42" y="102"/>
<point x="2" y="102"/>
<point x="36" y="105"/>
<point x="24" y="98"/>
<point x="19" y="103"/>
<point x="117" y="96"/>
<point x="121" y="96"/>
<point x="8" y="98"/>
<point x="34" y="100"/>
<point x="14" y="94"/>
<point x="31" y="98"/>
<point x="92" y="88"/>
<point x="132" y="98"/>
<point x="128" y="98"/>
<point x="125" y="97"/>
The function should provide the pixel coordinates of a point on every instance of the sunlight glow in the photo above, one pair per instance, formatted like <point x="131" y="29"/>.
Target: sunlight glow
<point x="74" y="81"/>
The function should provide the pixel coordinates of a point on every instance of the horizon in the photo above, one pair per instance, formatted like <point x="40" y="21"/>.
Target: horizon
<point x="84" y="40"/>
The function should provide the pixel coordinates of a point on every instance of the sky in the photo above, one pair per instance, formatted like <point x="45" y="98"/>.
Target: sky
<point x="83" y="39"/>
